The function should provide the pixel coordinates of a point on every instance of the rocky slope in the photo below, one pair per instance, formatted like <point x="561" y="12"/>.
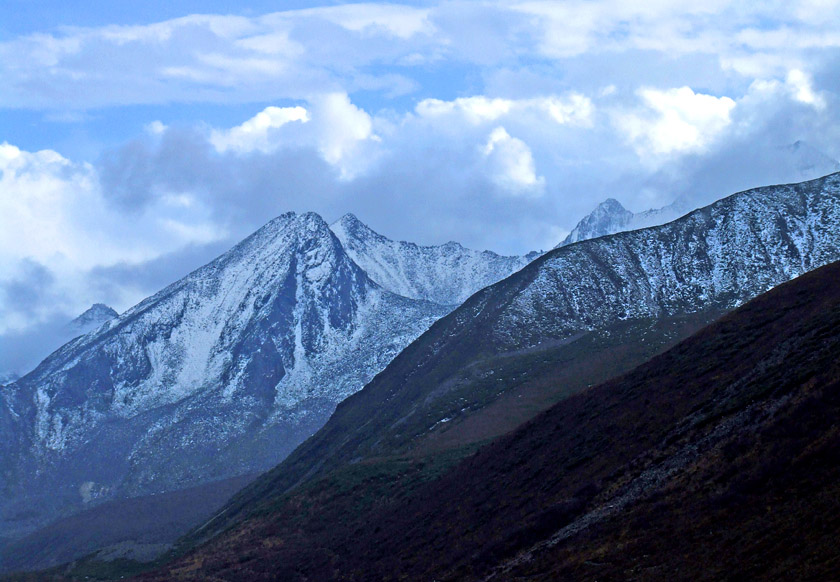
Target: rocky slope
<point x="220" y="374"/>
<point x="445" y="274"/>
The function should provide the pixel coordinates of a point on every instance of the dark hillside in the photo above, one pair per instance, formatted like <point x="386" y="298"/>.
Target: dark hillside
<point x="716" y="460"/>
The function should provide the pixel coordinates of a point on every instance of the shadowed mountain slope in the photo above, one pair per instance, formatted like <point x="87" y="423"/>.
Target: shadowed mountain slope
<point x="716" y="460"/>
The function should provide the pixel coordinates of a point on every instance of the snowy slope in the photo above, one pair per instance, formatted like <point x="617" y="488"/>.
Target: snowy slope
<point x="445" y="274"/>
<point x="220" y="374"/>
<point x="715" y="258"/>
<point x="722" y="254"/>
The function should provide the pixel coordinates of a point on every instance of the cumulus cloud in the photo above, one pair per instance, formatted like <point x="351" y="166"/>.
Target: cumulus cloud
<point x="675" y="121"/>
<point x="571" y="108"/>
<point x="512" y="164"/>
<point x="258" y="133"/>
<point x="339" y="130"/>
<point x="342" y="128"/>
<point x="58" y="225"/>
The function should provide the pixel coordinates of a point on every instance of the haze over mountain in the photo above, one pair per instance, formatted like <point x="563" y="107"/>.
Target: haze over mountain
<point x="89" y="320"/>
<point x="219" y="375"/>
<point x="92" y="318"/>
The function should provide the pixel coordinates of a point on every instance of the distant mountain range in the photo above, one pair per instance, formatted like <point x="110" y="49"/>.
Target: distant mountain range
<point x="91" y="319"/>
<point x="610" y="217"/>
<point x="225" y="372"/>
<point x="445" y="274"/>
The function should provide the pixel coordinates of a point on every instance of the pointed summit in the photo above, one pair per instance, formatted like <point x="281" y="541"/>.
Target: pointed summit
<point x="96" y="315"/>
<point x="610" y="217"/>
<point x="607" y="218"/>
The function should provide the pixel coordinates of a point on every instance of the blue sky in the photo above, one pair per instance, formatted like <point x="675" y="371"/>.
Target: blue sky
<point x="139" y="139"/>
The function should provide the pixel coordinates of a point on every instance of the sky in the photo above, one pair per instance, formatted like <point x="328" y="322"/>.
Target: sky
<point x="139" y="140"/>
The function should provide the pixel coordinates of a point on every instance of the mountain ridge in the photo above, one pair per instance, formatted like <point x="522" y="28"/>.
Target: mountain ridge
<point x="716" y="257"/>
<point x="446" y="274"/>
<point x="701" y="464"/>
<point x="219" y="374"/>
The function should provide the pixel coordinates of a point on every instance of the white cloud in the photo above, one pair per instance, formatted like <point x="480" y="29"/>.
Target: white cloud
<point x="371" y="19"/>
<point x="512" y="164"/>
<point x="272" y="43"/>
<point x="476" y="110"/>
<point x="299" y="53"/>
<point x="258" y="133"/>
<point x="156" y="127"/>
<point x="572" y="108"/>
<point x="802" y="90"/>
<point x="342" y="128"/>
<point x="796" y="86"/>
<point x="54" y="216"/>
<point x="675" y="121"/>
<point x="339" y="130"/>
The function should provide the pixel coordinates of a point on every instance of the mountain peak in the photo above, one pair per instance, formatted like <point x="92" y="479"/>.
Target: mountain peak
<point x="612" y="205"/>
<point x="350" y="219"/>
<point x="608" y="217"/>
<point x="93" y="317"/>
<point x="349" y="225"/>
<point x="264" y="340"/>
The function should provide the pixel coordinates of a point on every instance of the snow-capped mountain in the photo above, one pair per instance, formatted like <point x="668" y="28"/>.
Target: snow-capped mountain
<point x="808" y="161"/>
<point x="8" y="377"/>
<point x="445" y="274"/>
<point x="721" y="254"/>
<point x="713" y="259"/>
<point x="610" y="217"/>
<point x="222" y="373"/>
<point x="92" y="318"/>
